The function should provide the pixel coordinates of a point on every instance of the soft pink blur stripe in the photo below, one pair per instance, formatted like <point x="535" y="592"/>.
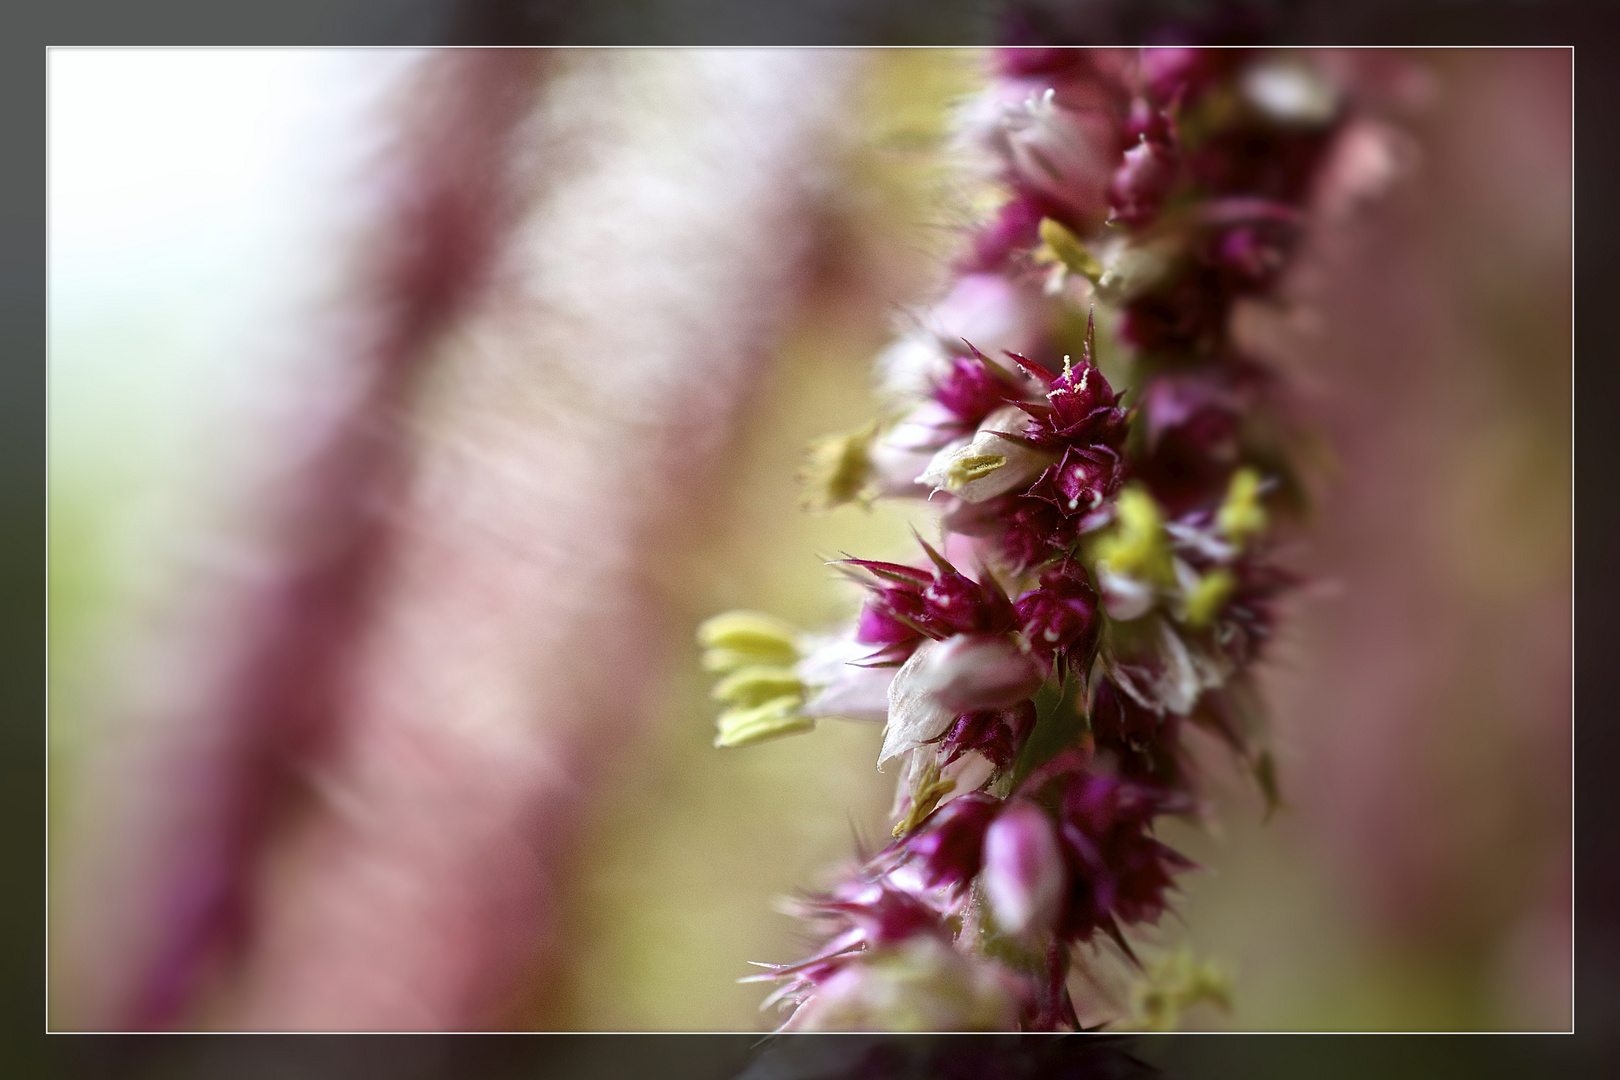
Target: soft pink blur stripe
<point x="511" y="641"/>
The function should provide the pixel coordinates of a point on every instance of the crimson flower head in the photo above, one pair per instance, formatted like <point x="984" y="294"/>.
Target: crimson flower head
<point x="1080" y="481"/>
<point x="972" y="388"/>
<point x="1118" y="872"/>
<point x="1142" y="181"/>
<point x="994" y="733"/>
<point x="1132" y="545"/>
<point x="947" y="848"/>
<point x="1080" y="408"/>
<point x="1059" y="617"/>
<point x="909" y="604"/>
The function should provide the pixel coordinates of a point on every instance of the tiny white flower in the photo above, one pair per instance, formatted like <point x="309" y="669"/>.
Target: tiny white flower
<point x="989" y="464"/>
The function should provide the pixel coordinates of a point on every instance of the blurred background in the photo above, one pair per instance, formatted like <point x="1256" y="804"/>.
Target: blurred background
<point x="408" y="410"/>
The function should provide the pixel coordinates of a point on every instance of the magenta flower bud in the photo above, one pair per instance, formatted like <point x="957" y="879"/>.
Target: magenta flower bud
<point x="1062" y="155"/>
<point x="880" y="619"/>
<point x="1080" y="406"/>
<point x="980" y="671"/>
<point x="1079" y="395"/>
<point x="947" y="849"/>
<point x="1016" y="228"/>
<point x="1118" y="871"/>
<point x="909" y="604"/>
<point x="1081" y="480"/>
<point x="956" y="603"/>
<point x="1252" y="255"/>
<point x="1061" y="614"/>
<point x="995" y="733"/>
<point x="971" y="391"/>
<point x="1024" y="874"/>
<point x="1141" y="182"/>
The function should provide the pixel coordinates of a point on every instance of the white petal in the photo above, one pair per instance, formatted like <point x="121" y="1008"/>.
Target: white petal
<point x="1172" y="679"/>
<point x="840" y="687"/>
<point x="911" y="366"/>
<point x="1124" y="598"/>
<point x="859" y="694"/>
<point x="915" y="712"/>
<point x="970" y="771"/>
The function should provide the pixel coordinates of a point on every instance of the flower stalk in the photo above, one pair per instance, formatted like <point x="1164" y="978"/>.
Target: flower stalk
<point x="1106" y="578"/>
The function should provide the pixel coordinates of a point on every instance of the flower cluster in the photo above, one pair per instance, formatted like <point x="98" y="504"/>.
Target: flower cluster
<point x="1106" y="574"/>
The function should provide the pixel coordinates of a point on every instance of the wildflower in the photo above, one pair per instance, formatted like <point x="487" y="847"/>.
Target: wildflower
<point x="1060" y="616"/>
<point x="1120" y="546"/>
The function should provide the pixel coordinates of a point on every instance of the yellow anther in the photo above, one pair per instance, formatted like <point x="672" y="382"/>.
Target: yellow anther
<point x="771" y="720"/>
<point x="925" y="796"/>
<point x="751" y="686"/>
<point x="1241" y="516"/>
<point x="1205" y="599"/>
<point x="1063" y="246"/>
<point x="740" y="639"/>
<point x="836" y="468"/>
<point x="965" y="470"/>
<point x="1136" y="547"/>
